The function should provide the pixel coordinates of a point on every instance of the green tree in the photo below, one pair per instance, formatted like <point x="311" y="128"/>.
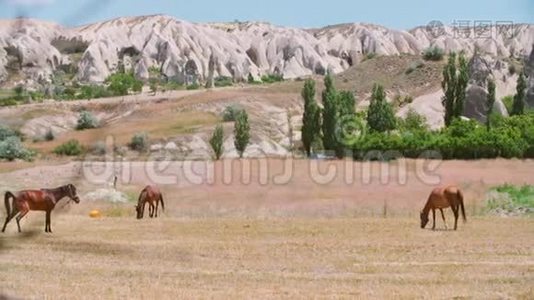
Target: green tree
<point x="413" y="121"/>
<point x="241" y="133"/>
<point x="490" y="102"/>
<point x="345" y="117"/>
<point x="461" y="85"/>
<point x="330" y="113"/>
<point x="347" y="103"/>
<point x="518" y="107"/>
<point x="380" y="116"/>
<point x="454" y="86"/>
<point x="121" y="83"/>
<point x="311" y="127"/>
<point x="449" y="88"/>
<point x="217" y="141"/>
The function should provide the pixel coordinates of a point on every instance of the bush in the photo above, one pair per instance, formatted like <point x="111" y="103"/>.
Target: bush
<point x="509" y="138"/>
<point x="223" y="81"/>
<point x="98" y="148"/>
<point x="272" y="78"/>
<point x="11" y="148"/>
<point x="369" y="56"/>
<point x="49" y="135"/>
<point x="433" y="53"/>
<point x="139" y="142"/>
<point x="413" y="121"/>
<point x="508" y="102"/>
<point x="414" y="66"/>
<point x="6" y="132"/>
<point x="70" y="148"/>
<point x="194" y="86"/>
<point x="93" y="92"/>
<point x="230" y="112"/>
<point x="86" y="121"/>
<point x="121" y="83"/>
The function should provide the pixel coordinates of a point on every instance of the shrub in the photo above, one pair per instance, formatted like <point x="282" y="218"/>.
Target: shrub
<point x="70" y="148"/>
<point x="414" y="66"/>
<point x="98" y="148"/>
<point x="230" y="112"/>
<point x="6" y="132"/>
<point x="272" y="78"/>
<point x="121" y="83"/>
<point x="11" y="148"/>
<point x="139" y="142"/>
<point x="223" y="81"/>
<point x="93" y="92"/>
<point x="86" y="120"/>
<point x="508" y="102"/>
<point x="413" y="121"/>
<point x="49" y="135"/>
<point x="433" y="53"/>
<point x="194" y="86"/>
<point x="369" y="56"/>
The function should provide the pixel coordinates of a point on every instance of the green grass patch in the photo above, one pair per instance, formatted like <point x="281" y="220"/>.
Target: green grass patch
<point x="511" y="200"/>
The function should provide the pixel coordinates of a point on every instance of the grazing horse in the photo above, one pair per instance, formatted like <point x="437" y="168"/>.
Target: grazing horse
<point x="152" y="195"/>
<point x="39" y="200"/>
<point x="441" y="198"/>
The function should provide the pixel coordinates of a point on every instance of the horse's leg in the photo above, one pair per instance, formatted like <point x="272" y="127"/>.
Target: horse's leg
<point x="456" y="215"/>
<point x="157" y="204"/>
<point x="10" y="217"/>
<point x="20" y="216"/>
<point x="434" y="219"/>
<point x="47" y="226"/>
<point x="443" y="216"/>
<point x="152" y="210"/>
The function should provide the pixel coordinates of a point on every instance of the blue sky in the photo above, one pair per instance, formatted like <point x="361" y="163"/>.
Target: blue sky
<point x="299" y="13"/>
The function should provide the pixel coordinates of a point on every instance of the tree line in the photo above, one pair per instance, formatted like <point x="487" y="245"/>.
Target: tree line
<point x="339" y="130"/>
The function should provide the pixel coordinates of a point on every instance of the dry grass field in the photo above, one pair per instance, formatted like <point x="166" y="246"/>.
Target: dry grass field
<point x="300" y="239"/>
<point x="303" y="258"/>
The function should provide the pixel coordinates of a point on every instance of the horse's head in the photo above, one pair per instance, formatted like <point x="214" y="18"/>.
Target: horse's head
<point x="139" y="210"/>
<point x="424" y="219"/>
<point x="71" y="193"/>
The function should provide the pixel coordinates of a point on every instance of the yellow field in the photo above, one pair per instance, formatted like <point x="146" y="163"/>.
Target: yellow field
<point x="174" y="258"/>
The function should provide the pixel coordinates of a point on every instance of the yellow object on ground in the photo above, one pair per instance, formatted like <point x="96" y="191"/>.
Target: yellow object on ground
<point x="95" y="214"/>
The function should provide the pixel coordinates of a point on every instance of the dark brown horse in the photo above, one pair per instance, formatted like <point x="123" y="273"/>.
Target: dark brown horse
<point x="40" y="200"/>
<point x="441" y="198"/>
<point x="151" y="195"/>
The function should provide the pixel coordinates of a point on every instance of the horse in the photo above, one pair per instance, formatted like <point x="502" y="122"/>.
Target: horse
<point x="39" y="200"/>
<point x="440" y="198"/>
<point x="153" y="196"/>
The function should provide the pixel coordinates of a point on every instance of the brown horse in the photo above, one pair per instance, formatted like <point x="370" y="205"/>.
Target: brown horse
<point x="39" y="200"/>
<point x="441" y="198"/>
<point x="152" y="195"/>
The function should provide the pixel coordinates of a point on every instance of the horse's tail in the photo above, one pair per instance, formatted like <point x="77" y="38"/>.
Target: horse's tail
<point x="6" y="201"/>
<point x="462" y="206"/>
<point x="162" y="203"/>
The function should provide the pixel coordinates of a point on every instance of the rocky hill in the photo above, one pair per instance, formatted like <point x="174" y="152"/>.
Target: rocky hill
<point x="33" y="50"/>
